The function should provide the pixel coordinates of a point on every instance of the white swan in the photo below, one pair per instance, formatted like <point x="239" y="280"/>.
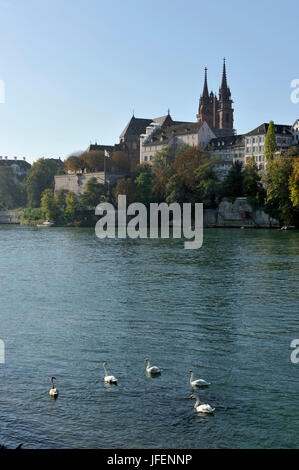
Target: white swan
<point x="204" y="408"/>
<point x="109" y="379"/>
<point x="154" y="370"/>
<point x="198" y="382"/>
<point x="53" y="391"/>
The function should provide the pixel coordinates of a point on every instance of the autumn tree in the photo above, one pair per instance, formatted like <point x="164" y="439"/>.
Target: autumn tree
<point x="119" y="163"/>
<point x="294" y="184"/>
<point x="126" y="186"/>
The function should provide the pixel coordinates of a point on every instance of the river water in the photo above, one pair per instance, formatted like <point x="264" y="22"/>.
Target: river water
<point x="229" y="311"/>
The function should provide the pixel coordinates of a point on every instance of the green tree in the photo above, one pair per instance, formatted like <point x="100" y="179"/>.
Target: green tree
<point x="270" y="142"/>
<point x="251" y="186"/>
<point x="49" y="205"/>
<point x="60" y="197"/>
<point x="164" y="157"/>
<point x="93" y="193"/>
<point x="71" y="207"/>
<point x="175" y="190"/>
<point x="12" y="194"/>
<point x="232" y="186"/>
<point x="41" y="177"/>
<point x="144" y="185"/>
<point x="278" y="200"/>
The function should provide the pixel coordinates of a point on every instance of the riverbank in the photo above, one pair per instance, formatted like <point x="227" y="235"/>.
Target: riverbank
<point x="228" y="214"/>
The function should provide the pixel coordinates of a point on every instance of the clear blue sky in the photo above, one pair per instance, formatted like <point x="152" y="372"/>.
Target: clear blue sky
<point x="75" y="69"/>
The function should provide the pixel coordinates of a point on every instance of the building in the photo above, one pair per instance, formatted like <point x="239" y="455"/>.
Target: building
<point x="295" y="132"/>
<point x="255" y="142"/>
<point x="19" y="167"/>
<point x="218" y="113"/>
<point x="134" y="129"/>
<point x="158" y="137"/>
<point x="230" y="149"/>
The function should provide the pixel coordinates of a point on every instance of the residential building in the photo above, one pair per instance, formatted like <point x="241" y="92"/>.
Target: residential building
<point x="19" y="166"/>
<point x="157" y="137"/>
<point x="255" y="142"/>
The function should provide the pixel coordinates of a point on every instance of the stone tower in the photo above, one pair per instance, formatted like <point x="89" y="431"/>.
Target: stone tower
<point x="218" y="113"/>
<point x="225" y="108"/>
<point x="206" y="104"/>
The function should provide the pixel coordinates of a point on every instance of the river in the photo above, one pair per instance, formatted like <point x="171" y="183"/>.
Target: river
<point x="229" y="311"/>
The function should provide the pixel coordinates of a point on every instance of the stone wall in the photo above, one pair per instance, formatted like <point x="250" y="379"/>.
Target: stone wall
<point x="10" y="217"/>
<point x="77" y="182"/>
<point x="238" y="214"/>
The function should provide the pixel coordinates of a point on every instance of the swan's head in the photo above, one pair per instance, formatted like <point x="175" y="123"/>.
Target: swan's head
<point x="190" y="371"/>
<point x="52" y="378"/>
<point x="192" y="397"/>
<point x="147" y="360"/>
<point x="105" y="363"/>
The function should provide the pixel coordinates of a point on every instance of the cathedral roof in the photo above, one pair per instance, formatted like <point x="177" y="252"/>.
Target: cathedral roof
<point x="137" y="126"/>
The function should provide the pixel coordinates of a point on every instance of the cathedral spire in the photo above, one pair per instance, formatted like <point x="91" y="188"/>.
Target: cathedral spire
<point x="224" y="80"/>
<point x="205" y="93"/>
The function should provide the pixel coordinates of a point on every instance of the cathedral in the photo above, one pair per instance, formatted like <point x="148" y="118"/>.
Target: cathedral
<point x="218" y="112"/>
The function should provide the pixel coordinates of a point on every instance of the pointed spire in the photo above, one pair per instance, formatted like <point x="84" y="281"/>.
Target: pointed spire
<point x="205" y="93"/>
<point x="224" y="80"/>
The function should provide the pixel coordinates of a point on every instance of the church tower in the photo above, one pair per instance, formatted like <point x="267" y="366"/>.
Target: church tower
<point x="205" y="109"/>
<point x="225" y="108"/>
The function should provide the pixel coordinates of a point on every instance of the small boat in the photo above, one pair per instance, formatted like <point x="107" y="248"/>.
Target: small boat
<point x="46" y="224"/>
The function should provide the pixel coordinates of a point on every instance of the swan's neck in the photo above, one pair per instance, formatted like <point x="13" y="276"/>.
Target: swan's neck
<point x="52" y="382"/>
<point x="148" y="364"/>
<point x="196" y="403"/>
<point x="191" y="376"/>
<point x="106" y="373"/>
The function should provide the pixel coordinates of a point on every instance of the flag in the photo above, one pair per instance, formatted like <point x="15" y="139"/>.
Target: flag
<point x="107" y="154"/>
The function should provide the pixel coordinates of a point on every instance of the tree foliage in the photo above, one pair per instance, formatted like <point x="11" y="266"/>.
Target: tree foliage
<point x="126" y="186"/>
<point x="144" y="185"/>
<point x="294" y="184"/>
<point x="270" y="142"/>
<point x="279" y="204"/>
<point x="41" y="177"/>
<point x="12" y="193"/>
<point x="94" y="191"/>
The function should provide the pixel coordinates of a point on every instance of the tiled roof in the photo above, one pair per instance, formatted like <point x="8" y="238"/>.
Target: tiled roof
<point x="228" y="141"/>
<point x="137" y="126"/>
<point x="279" y="129"/>
<point x="93" y="147"/>
<point x="164" y="135"/>
<point x="21" y="163"/>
